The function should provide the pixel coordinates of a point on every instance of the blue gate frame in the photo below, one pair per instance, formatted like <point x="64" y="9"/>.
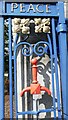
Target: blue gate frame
<point x="57" y="11"/>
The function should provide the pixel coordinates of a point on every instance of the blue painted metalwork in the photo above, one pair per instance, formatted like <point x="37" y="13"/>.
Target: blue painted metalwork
<point x="39" y="49"/>
<point x="15" y="81"/>
<point x="52" y="73"/>
<point x="60" y="6"/>
<point x="26" y="50"/>
<point x="1" y="68"/>
<point x="16" y="12"/>
<point x="16" y="39"/>
<point x="56" y="67"/>
<point x="35" y="112"/>
<point x="63" y="65"/>
<point x="15" y="64"/>
<point x="55" y="12"/>
<point x="63" y="61"/>
<point x="10" y="68"/>
<point x="61" y="28"/>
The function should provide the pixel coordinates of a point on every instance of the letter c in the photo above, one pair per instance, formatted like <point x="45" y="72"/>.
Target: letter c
<point x="38" y="9"/>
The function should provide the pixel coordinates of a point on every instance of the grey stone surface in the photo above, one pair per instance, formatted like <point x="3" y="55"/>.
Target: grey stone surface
<point x="66" y="9"/>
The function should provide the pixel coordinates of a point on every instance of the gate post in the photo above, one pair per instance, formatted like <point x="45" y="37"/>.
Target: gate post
<point x="61" y="29"/>
<point x="1" y="67"/>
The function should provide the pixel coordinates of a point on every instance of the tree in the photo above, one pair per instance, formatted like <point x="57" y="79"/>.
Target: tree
<point x="6" y="59"/>
<point x="6" y="53"/>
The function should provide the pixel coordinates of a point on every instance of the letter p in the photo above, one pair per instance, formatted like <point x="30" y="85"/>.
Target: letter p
<point x="14" y="6"/>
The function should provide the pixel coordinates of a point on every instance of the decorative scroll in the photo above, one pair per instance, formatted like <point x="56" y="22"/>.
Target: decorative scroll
<point x="40" y="48"/>
<point x="27" y="49"/>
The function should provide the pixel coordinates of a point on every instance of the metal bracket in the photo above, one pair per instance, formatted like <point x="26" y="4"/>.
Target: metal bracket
<point x="61" y="28"/>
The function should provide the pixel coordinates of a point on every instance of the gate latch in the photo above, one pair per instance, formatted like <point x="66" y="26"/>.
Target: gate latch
<point x="35" y="87"/>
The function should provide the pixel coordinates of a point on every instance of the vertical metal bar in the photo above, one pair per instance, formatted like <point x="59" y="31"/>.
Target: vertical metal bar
<point x="61" y="12"/>
<point x="10" y="69"/>
<point x="19" y="77"/>
<point x="63" y="61"/>
<point x="1" y="68"/>
<point x="15" y="82"/>
<point x="63" y="67"/>
<point x="25" y="83"/>
<point x="52" y="73"/>
<point x="15" y="74"/>
<point x="56" y="67"/>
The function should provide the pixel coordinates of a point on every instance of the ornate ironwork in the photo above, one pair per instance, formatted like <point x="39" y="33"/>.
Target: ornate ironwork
<point x="27" y="50"/>
<point x="39" y="48"/>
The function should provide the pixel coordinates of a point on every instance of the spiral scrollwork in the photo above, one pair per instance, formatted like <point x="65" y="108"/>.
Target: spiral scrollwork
<point x="27" y="49"/>
<point x="40" y="48"/>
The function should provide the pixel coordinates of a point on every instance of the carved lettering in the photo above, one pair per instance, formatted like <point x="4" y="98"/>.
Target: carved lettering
<point x="31" y="7"/>
<point x="48" y="8"/>
<point x="14" y="6"/>
<point x="38" y="8"/>
<point x="22" y="8"/>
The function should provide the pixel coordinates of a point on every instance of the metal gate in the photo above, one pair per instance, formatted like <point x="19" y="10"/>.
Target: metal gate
<point x="43" y="33"/>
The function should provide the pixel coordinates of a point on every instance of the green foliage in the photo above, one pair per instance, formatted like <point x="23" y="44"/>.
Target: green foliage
<point x="6" y="53"/>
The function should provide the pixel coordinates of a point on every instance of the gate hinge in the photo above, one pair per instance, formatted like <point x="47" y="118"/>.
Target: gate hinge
<point x="61" y="28"/>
